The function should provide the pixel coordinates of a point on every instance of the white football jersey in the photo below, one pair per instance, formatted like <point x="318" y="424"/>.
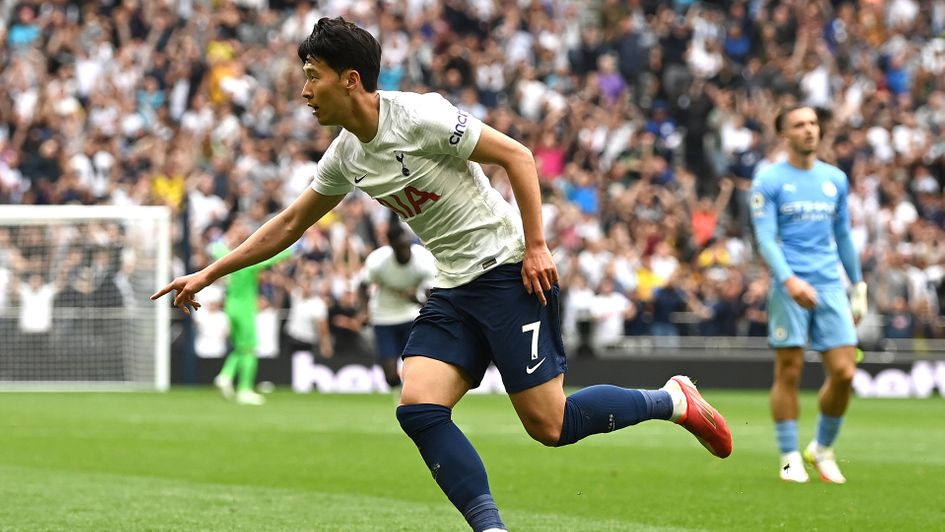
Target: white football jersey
<point x="418" y="166"/>
<point x="382" y="269"/>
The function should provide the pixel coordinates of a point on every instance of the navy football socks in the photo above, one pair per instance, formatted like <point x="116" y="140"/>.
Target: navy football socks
<point x="454" y="462"/>
<point x="605" y="408"/>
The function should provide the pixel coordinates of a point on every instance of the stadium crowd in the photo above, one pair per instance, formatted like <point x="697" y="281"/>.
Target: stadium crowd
<point x="647" y="120"/>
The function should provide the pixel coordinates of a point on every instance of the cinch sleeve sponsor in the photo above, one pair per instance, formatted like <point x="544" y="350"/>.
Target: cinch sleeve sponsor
<point x="447" y="130"/>
<point x="329" y="178"/>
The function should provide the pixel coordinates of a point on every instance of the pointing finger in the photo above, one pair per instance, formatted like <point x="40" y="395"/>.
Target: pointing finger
<point x="160" y="292"/>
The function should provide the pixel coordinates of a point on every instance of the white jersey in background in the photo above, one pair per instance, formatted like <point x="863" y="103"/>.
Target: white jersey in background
<point x="382" y="269"/>
<point x="417" y="165"/>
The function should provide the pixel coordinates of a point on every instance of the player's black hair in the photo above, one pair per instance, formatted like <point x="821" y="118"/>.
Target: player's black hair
<point x="342" y="45"/>
<point x="823" y="117"/>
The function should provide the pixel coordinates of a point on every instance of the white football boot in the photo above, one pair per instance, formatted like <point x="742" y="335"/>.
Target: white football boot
<point x="792" y="468"/>
<point x="225" y="386"/>
<point x="249" y="397"/>
<point x="822" y="459"/>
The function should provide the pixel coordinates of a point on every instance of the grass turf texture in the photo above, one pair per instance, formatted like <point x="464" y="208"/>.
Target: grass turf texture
<point x="186" y="460"/>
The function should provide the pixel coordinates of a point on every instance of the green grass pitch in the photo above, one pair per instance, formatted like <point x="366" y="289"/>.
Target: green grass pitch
<point x="186" y="460"/>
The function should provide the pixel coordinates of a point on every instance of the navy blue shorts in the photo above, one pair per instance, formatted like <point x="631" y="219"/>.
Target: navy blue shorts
<point x="391" y="339"/>
<point x="492" y="319"/>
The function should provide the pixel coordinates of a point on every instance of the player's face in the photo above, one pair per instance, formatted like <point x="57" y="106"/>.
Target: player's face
<point x="324" y="91"/>
<point x="802" y="130"/>
<point x="401" y="250"/>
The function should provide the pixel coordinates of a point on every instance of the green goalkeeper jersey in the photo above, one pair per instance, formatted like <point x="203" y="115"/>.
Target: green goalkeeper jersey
<point x="242" y="289"/>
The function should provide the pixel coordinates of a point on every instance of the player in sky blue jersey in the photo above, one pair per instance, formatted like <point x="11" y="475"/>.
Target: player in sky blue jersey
<point x="802" y="225"/>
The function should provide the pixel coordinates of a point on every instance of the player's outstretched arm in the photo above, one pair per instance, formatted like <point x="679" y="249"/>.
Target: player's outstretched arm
<point x="538" y="270"/>
<point x="274" y="236"/>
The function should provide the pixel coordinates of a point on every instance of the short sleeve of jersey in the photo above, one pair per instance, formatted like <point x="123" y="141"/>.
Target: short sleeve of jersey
<point x="445" y="129"/>
<point x="329" y="176"/>
<point x="371" y="264"/>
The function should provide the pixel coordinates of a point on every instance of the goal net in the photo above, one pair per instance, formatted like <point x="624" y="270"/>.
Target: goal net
<point x="74" y="287"/>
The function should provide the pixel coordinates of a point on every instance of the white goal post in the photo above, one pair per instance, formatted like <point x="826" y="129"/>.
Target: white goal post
<point x="74" y="307"/>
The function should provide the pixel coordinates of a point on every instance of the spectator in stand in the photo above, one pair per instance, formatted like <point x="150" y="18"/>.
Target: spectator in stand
<point x="609" y="310"/>
<point x="899" y="321"/>
<point x="307" y="324"/>
<point x="213" y="326"/>
<point x="346" y="319"/>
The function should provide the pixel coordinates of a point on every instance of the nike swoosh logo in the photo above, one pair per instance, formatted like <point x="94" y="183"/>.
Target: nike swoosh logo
<point x="359" y="179"/>
<point x="530" y="369"/>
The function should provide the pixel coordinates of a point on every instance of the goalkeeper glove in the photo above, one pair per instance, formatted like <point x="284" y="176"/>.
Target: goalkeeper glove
<point x="858" y="301"/>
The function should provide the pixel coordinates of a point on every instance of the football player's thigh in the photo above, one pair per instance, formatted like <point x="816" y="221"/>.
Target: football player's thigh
<point x="541" y="405"/>
<point x="243" y="330"/>
<point x="444" y="356"/>
<point x="427" y="380"/>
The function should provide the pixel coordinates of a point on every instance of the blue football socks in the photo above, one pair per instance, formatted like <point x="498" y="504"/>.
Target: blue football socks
<point x="605" y="408"/>
<point x="827" y="429"/>
<point x="454" y="462"/>
<point x="786" y="432"/>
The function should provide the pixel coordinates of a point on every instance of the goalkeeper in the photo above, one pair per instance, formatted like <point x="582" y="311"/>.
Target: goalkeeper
<point x="802" y="225"/>
<point x="240" y="305"/>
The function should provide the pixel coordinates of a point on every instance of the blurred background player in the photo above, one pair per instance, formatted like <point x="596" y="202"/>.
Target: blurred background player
<point x="241" y="305"/>
<point x="394" y="277"/>
<point x="799" y="208"/>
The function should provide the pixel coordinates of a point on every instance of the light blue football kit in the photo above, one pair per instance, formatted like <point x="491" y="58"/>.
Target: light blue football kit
<point x="802" y="226"/>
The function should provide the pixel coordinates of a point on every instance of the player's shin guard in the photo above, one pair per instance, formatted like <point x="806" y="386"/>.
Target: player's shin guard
<point x="605" y="408"/>
<point x="454" y="462"/>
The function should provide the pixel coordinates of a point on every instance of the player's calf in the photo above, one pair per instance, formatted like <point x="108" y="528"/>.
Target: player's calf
<point x="453" y="462"/>
<point x="606" y="408"/>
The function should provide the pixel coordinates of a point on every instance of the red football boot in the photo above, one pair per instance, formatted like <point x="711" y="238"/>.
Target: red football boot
<point x="700" y="418"/>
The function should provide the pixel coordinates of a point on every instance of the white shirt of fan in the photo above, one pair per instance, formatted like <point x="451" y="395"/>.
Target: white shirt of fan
<point x="36" y="307"/>
<point x="382" y="269"/>
<point x="213" y="330"/>
<point x="304" y="315"/>
<point x="418" y="166"/>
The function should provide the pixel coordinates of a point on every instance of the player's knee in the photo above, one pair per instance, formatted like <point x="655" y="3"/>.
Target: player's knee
<point x="843" y="376"/>
<point x="788" y="373"/>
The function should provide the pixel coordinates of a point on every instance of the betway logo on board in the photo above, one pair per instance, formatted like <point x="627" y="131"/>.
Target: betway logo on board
<point x="308" y="376"/>
<point x="921" y="381"/>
